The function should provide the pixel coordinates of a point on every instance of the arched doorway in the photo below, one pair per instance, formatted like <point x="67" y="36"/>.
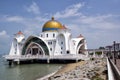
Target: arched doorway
<point x="34" y="45"/>
<point x="81" y="47"/>
<point x="34" y="49"/>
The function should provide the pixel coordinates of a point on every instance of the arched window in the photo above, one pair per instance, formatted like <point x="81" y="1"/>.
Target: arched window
<point x="50" y="49"/>
<point x="61" y="48"/>
<point x="61" y="42"/>
<point x="50" y="43"/>
<point x="46" y="35"/>
<point x="53" y="35"/>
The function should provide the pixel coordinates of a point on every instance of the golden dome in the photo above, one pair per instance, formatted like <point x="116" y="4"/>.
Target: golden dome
<point x="52" y="25"/>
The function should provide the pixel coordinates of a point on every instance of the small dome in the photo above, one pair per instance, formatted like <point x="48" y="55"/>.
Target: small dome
<point x="80" y="36"/>
<point x="19" y="33"/>
<point x="52" y="25"/>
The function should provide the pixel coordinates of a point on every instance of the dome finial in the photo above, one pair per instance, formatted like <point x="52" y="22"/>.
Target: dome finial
<point x="52" y="18"/>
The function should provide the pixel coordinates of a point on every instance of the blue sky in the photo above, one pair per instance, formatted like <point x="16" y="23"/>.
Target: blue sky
<point x="97" y="20"/>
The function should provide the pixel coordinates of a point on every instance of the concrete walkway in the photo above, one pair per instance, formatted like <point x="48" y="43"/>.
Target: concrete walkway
<point x="118" y="64"/>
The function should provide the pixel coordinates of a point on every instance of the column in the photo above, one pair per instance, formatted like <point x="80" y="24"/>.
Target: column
<point x="102" y="54"/>
<point x="31" y="50"/>
<point x="18" y="62"/>
<point x="94" y="53"/>
<point x="48" y="60"/>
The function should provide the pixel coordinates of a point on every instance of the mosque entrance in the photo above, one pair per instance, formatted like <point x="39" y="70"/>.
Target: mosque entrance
<point x="81" y="49"/>
<point x="34" y="49"/>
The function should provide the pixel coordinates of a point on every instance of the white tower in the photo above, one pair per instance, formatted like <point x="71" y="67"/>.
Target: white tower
<point x="17" y="44"/>
<point x="19" y="37"/>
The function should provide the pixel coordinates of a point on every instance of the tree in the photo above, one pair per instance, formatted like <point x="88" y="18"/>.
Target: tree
<point x="101" y="48"/>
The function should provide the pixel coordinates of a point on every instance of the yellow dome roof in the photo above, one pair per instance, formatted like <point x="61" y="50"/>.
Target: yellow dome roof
<point x="52" y="25"/>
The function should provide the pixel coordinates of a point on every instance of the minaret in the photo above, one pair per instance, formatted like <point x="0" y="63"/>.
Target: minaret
<point x="19" y="40"/>
<point x="17" y="44"/>
<point x="19" y="37"/>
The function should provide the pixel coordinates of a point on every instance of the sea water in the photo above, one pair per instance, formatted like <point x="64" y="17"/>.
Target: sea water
<point x="25" y="71"/>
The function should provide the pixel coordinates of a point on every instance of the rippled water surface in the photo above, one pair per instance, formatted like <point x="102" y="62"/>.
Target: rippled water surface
<point x="26" y="71"/>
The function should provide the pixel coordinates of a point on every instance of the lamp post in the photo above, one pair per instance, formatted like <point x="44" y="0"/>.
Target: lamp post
<point x="114" y="52"/>
<point x="117" y="49"/>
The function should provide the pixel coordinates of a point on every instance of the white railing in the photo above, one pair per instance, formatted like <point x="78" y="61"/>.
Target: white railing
<point x="110" y="72"/>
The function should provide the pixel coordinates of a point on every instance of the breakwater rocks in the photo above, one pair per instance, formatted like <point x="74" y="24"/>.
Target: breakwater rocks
<point x="93" y="69"/>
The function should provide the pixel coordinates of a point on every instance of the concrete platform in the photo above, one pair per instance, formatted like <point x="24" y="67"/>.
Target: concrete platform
<point x="47" y="59"/>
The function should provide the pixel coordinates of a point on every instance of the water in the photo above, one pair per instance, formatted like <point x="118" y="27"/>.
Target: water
<point x="26" y="71"/>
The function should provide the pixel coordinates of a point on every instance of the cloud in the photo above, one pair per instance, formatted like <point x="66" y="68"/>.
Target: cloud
<point x="14" y="18"/>
<point x="33" y="8"/>
<point x="31" y="25"/>
<point x="70" y="11"/>
<point x="4" y="42"/>
<point x="102" y="22"/>
<point x="3" y="34"/>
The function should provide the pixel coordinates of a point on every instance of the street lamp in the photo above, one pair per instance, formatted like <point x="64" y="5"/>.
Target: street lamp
<point x="114" y="52"/>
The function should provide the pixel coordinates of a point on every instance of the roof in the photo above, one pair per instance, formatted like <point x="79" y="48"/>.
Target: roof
<point x="19" y="33"/>
<point x="80" y="36"/>
<point x="52" y="25"/>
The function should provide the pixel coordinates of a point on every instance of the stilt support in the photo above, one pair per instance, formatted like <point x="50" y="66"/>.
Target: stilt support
<point x="18" y="62"/>
<point x="76" y="60"/>
<point x="10" y="63"/>
<point x="48" y="60"/>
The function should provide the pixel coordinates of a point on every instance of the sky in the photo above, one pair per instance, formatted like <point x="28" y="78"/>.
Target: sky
<point x="97" y="20"/>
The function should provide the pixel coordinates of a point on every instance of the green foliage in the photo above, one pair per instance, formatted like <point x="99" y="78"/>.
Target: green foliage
<point x="90" y="53"/>
<point x="98" y="53"/>
<point x="101" y="48"/>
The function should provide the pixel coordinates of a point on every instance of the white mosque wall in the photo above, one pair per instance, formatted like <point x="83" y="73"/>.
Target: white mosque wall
<point x="75" y="45"/>
<point x="67" y="41"/>
<point x="49" y="35"/>
<point x="51" y="46"/>
<point x="72" y="46"/>
<point x="18" y="52"/>
<point x="60" y="45"/>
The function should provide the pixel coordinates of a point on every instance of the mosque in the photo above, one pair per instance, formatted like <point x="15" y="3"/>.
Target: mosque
<point x="55" y="40"/>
